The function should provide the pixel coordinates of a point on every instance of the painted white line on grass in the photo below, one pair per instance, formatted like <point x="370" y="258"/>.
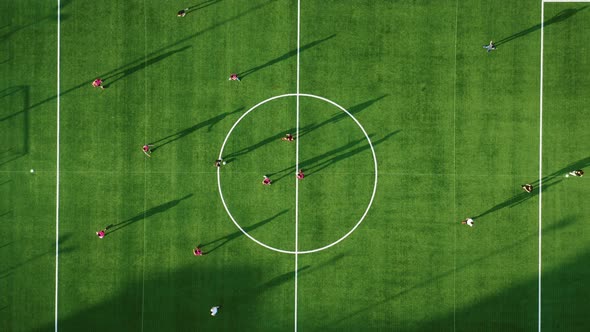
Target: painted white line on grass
<point x="540" y="159"/>
<point x="455" y="172"/>
<point x="57" y="165"/>
<point x="370" y="144"/>
<point x="297" y="162"/>
<point x="145" y="181"/>
<point x="566" y="1"/>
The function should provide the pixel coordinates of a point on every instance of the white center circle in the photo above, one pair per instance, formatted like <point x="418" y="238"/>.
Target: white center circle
<point x="296" y="251"/>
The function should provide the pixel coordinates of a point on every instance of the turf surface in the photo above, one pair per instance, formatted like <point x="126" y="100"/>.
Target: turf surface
<point x="455" y="131"/>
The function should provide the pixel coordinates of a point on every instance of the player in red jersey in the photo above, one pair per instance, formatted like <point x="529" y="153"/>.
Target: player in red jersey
<point x="266" y="181"/>
<point x="300" y="174"/>
<point x="100" y="234"/>
<point x="234" y="77"/>
<point x="198" y="252"/>
<point x="97" y="83"/>
<point x="147" y="149"/>
<point x="288" y="138"/>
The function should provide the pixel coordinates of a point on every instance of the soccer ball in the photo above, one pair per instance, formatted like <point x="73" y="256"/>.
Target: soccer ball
<point x="224" y="162"/>
<point x="32" y="170"/>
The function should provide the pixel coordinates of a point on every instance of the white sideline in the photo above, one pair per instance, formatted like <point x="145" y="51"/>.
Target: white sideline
<point x="57" y="165"/>
<point x="297" y="162"/>
<point x="571" y="1"/>
<point x="540" y="160"/>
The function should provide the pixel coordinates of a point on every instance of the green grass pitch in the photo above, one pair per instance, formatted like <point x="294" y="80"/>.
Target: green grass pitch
<point x="455" y="131"/>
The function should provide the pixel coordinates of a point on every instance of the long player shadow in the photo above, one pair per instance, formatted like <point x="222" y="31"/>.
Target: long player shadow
<point x="284" y="56"/>
<point x="121" y="74"/>
<point x="353" y="110"/>
<point x="561" y="16"/>
<point x="202" y="5"/>
<point x="225" y="239"/>
<point x="548" y="181"/>
<point x="150" y="55"/>
<point x="209" y="123"/>
<point x="144" y="215"/>
<point x="316" y="164"/>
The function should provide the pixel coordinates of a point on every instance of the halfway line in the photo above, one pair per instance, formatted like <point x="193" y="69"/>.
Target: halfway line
<point x="540" y="160"/>
<point x="57" y="165"/>
<point x="297" y="160"/>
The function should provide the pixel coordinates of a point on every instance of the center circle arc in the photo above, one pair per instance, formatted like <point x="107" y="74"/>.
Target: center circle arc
<point x="296" y="251"/>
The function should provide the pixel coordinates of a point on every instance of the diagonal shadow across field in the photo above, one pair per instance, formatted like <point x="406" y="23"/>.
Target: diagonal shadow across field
<point x="284" y="57"/>
<point x="112" y="78"/>
<point x="150" y="55"/>
<point x="564" y="223"/>
<point x="316" y="164"/>
<point x="561" y="16"/>
<point x="225" y="239"/>
<point x="353" y="110"/>
<point x="548" y="181"/>
<point x="144" y="215"/>
<point x="185" y="132"/>
<point x="202" y="5"/>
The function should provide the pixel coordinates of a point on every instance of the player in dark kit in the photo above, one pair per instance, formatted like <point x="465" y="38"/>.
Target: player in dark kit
<point x="288" y="138"/>
<point x="578" y="172"/>
<point x="182" y="13"/>
<point x="527" y="187"/>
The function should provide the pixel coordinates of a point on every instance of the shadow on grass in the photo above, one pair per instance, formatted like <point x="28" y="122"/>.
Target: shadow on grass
<point x="225" y="239"/>
<point x="146" y="214"/>
<point x="119" y="75"/>
<point x="564" y="299"/>
<point x="202" y="5"/>
<point x="561" y="16"/>
<point x="185" y="132"/>
<point x="353" y="110"/>
<point x="548" y="181"/>
<point x="316" y="164"/>
<point x="275" y="138"/>
<point x="132" y="63"/>
<point x="63" y="240"/>
<point x="408" y="292"/>
<point x="283" y="57"/>
<point x="19" y="126"/>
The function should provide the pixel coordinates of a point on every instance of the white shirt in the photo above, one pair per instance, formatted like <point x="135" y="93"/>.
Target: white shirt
<point x="470" y="222"/>
<point x="214" y="310"/>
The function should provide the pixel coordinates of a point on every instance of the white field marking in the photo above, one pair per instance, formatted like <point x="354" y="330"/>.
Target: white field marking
<point x="306" y="251"/>
<point x="145" y="159"/>
<point x="540" y="160"/>
<point x="455" y="172"/>
<point x="297" y="163"/>
<point x="570" y="1"/>
<point x="57" y="165"/>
